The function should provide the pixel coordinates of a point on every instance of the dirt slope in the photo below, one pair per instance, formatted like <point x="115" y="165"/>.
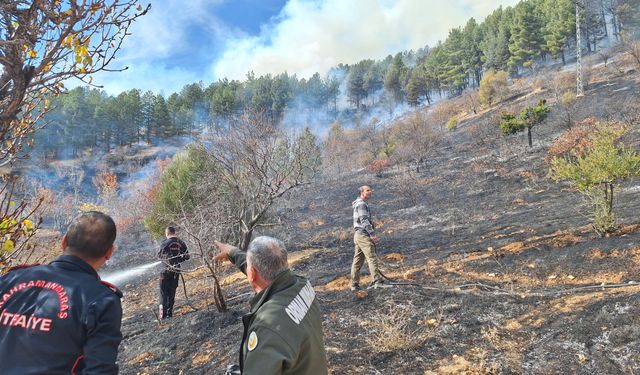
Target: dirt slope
<point x="509" y="278"/>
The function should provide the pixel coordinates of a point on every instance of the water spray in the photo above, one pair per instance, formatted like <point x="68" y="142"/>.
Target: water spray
<point x="121" y="277"/>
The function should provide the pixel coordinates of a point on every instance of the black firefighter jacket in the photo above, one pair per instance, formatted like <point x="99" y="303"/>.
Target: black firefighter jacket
<point x="58" y="319"/>
<point x="283" y="330"/>
<point x="173" y="251"/>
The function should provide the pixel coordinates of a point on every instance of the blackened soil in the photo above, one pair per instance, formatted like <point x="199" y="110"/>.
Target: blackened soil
<point x="506" y="274"/>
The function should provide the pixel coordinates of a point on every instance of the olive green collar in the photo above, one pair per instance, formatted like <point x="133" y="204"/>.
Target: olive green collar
<point x="282" y="281"/>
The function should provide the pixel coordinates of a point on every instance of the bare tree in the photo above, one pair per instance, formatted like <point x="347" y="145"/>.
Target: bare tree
<point x="340" y="151"/>
<point x="43" y="43"/>
<point x="240" y="173"/>
<point x="46" y="42"/>
<point x="632" y="47"/>
<point x="417" y="139"/>
<point x="255" y="164"/>
<point x="201" y="226"/>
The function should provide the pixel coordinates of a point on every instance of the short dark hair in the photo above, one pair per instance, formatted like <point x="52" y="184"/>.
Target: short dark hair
<point x="91" y="234"/>
<point x="171" y="230"/>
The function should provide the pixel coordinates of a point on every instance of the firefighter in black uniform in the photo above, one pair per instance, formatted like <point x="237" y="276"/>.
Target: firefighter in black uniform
<point x="173" y="251"/>
<point x="60" y="318"/>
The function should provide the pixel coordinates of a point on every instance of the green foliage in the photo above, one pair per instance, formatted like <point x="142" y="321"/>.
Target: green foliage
<point x="416" y="87"/>
<point x="510" y="124"/>
<point x="526" y="41"/>
<point x="532" y="116"/>
<point x="455" y="75"/>
<point x="603" y="161"/>
<point x="452" y="124"/>
<point x="560" y="25"/>
<point x="472" y="54"/>
<point x="527" y="119"/>
<point x="356" y="89"/>
<point x="595" y="171"/>
<point x="176" y="192"/>
<point x="493" y="87"/>
<point x="395" y="78"/>
<point x="495" y="43"/>
<point x="509" y="39"/>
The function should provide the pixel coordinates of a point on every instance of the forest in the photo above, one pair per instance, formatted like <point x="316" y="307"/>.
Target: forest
<point x="516" y="40"/>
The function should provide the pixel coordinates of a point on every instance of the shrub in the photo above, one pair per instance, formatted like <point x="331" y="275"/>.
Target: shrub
<point x="510" y="123"/>
<point x="595" y="169"/>
<point x="378" y="166"/>
<point x="574" y="142"/>
<point x="442" y="112"/>
<point x="562" y="82"/>
<point x="493" y="87"/>
<point x="398" y="329"/>
<point x="568" y="102"/>
<point x="452" y="124"/>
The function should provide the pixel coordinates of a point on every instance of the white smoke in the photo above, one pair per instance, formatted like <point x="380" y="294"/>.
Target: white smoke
<point x="313" y="36"/>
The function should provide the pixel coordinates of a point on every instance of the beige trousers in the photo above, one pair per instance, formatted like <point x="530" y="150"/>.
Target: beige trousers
<point x="364" y="248"/>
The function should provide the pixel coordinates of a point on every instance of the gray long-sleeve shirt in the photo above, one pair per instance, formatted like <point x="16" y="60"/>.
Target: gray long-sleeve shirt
<point x="362" y="216"/>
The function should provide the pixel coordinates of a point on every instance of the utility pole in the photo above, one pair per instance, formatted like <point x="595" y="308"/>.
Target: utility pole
<point x="579" y="85"/>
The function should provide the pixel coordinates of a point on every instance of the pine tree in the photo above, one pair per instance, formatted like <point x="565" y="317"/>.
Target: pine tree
<point x="560" y="26"/>
<point x="161" y="118"/>
<point x="472" y="54"/>
<point x="355" y="84"/>
<point x="455" y="75"/>
<point x="417" y="86"/>
<point x="395" y="77"/>
<point x="495" y="43"/>
<point x="526" y="42"/>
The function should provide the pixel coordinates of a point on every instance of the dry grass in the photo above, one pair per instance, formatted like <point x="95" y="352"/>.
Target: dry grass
<point x="394" y="257"/>
<point x="460" y="365"/>
<point x="397" y="328"/>
<point x="207" y="353"/>
<point x="339" y="283"/>
<point x="141" y="358"/>
<point x="514" y="247"/>
<point x="311" y="223"/>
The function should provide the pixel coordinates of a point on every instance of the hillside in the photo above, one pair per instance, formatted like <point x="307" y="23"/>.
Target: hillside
<point x="506" y="275"/>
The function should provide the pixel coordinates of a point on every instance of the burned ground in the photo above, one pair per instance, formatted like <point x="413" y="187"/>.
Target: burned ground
<point x="504" y="274"/>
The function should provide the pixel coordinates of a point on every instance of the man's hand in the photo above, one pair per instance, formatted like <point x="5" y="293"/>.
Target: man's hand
<point x="374" y="238"/>
<point x="223" y="251"/>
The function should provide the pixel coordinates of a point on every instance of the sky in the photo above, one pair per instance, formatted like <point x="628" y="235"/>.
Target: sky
<point x="181" y="42"/>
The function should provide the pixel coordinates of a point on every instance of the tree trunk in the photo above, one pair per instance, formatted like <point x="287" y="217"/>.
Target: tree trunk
<point x="218" y="296"/>
<point x="529" y="136"/>
<point x="245" y="238"/>
<point x="609" y="186"/>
